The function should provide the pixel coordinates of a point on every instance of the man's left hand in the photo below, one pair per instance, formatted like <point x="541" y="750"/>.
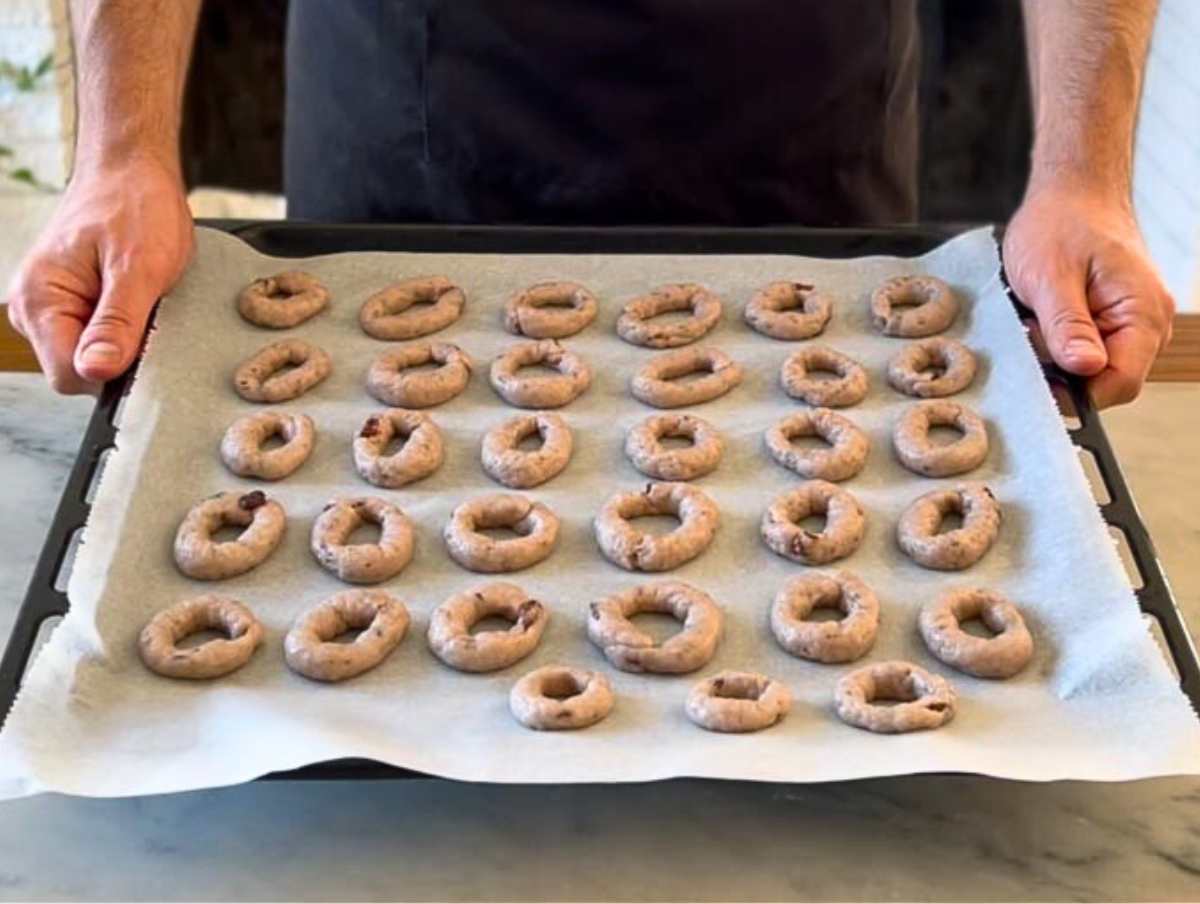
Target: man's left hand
<point x="1075" y="256"/>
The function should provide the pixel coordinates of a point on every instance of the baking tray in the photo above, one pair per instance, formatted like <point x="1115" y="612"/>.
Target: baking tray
<point x="46" y="599"/>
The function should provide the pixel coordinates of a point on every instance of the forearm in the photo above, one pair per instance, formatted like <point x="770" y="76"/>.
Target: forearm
<point x="131" y="58"/>
<point x="1085" y="62"/>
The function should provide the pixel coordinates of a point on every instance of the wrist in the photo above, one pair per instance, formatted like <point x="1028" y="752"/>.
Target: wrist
<point x="1099" y="183"/>
<point x="108" y="159"/>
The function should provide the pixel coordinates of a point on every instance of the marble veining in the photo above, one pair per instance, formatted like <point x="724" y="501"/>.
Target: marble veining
<point x="916" y="838"/>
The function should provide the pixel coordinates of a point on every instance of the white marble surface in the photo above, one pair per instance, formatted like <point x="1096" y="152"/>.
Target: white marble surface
<point x="925" y="838"/>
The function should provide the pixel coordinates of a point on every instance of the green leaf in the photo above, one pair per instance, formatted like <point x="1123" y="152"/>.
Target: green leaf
<point x="24" y="174"/>
<point x="45" y="64"/>
<point x="5" y="151"/>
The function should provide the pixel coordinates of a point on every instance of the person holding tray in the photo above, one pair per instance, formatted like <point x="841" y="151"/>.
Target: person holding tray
<point x="646" y="111"/>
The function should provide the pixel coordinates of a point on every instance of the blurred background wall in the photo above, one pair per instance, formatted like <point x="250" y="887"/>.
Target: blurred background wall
<point x="975" y="119"/>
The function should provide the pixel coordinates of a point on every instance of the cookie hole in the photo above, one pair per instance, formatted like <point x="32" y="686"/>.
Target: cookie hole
<point x="976" y="628"/>
<point x="932" y="371"/>
<point x="350" y="635"/>
<point x="676" y="441"/>
<point x="366" y="534"/>
<point x="692" y="376"/>
<point x="426" y="367"/>
<point x="227" y="533"/>
<point x="530" y="442"/>
<point x="561" y="686"/>
<point x="944" y="435"/>
<point x="491" y="623"/>
<point x="814" y="524"/>
<point x="825" y="614"/>
<point x="537" y="370"/>
<point x="501" y="533"/>
<point x="274" y="441"/>
<point x="950" y="521"/>
<point x="656" y="525"/>
<point x="909" y="298"/>
<point x="812" y="443"/>
<point x="658" y="625"/>
<point x="561" y="304"/>
<point x="200" y="638"/>
<point x="822" y="374"/>
<point x="395" y="445"/>
<point x="737" y="689"/>
<point x="667" y="318"/>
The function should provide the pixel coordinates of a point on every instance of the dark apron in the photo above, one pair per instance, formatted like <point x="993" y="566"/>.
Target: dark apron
<point x="602" y="111"/>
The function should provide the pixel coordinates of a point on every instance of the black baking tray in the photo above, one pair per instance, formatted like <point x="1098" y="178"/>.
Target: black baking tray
<point x="46" y="597"/>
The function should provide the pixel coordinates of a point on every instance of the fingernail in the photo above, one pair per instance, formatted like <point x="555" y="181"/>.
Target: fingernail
<point x="1085" y="348"/>
<point x="100" y="353"/>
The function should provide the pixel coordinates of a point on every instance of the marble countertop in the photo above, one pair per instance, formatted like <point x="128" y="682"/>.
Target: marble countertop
<point x="916" y="838"/>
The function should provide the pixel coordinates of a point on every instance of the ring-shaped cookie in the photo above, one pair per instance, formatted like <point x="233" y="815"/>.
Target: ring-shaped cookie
<point x="636" y="326"/>
<point x="550" y="310"/>
<point x="917" y="451"/>
<point x="412" y="308"/>
<point x="284" y="300"/>
<point x="507" y="463"/>
<point x="393" y="379"/>
<point x="311" y="649"/>
<point x="201" y="557"/>
<point x="635" y="550"/>
<point x="848" y="387"/>
<point x="932" y="368"/>
<point x="263" y="378"/>
<point x="421" y="454"/>
<point x="788" y="310"/>
<point x="242" y="445"/>
<point x="737" y="702"/>
<point x="952" y="550"/>
<point x="450" y="636"/>
<point x="535" y="525"/>
<point x="657" y="382"/>
<point x="643" y="446"/>
<point x="1000" y="656"/>
<point x="845" y="640"/>
<point x="846" y="457"/>
<point x="159" y="647"/>
<point x="845" y="523"/>
<point x="913" y="306"/>
<point x="923" y="700"/>
<point x="555" y="697"/>
<point x="631" y="649"/>
<point x="539" y="390"/>
<point x="362" y="563"/>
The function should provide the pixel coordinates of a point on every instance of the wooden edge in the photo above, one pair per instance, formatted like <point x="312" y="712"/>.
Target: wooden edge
<point x="1179" y="361"/>
<point x="15" y="353"/>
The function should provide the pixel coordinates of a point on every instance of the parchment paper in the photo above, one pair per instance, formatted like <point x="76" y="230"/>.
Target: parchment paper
<point x="1098" y="701"/>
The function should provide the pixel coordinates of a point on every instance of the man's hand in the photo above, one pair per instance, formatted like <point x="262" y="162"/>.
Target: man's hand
<point x="1076" y="257"/>
<point x="119" y="239"/>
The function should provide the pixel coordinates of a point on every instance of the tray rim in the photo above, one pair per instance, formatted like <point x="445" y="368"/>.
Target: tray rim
<point x="304" y="239"/>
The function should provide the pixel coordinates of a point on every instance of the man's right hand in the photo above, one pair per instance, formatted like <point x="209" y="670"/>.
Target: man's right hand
<point x="120" y="238"/>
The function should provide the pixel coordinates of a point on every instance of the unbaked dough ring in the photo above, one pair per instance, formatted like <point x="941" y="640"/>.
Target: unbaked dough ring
<point x="846" y="458"/>
<point x="311" y="649"/>
<point x="506" y="463"/>
<point x="631" y="649"/>
<point x="1000" y="656"/>
<point x="635" y="325"/>
<point x="845" y="640"/>
<point x="657" y="382"/>
<point x="737" y="702"/>
<point x="556" y="697"/>
<point x="242" y="446"/>
<point x="635" y="550"/>
<point x="201" y="557"/>
<point x="643" y="445"/>
<point x="550" y="310"/>
<point x="932" y="368"/>
<point x="158" y="641"/>
<point x="421" y="454"/>
<point x="789" y="311"/>
<point x="362" y="563"/>
<point x="848" y="388"/>
<point x="259" y="377"/>
<point x="450" y="636"/>
<point x="956" y="549"/>
<point x="913" y="306"/>
<point x="925" y="700"/>
<point x="533" y="522"/>
<point x="539" y="391"/>
<point x="921" y="455"/>
<point x="392" y="380"/>
<point x="845" y="523"/>
<point x="284" y="300"/>
<point x="389" y="313"/>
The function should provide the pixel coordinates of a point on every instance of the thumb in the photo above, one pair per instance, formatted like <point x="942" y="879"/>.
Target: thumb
<point x="1066" y="322"/>
<point x="114" y="332"/>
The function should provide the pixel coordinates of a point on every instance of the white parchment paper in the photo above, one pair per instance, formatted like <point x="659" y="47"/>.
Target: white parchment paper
<point x="1098" y="701"/>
